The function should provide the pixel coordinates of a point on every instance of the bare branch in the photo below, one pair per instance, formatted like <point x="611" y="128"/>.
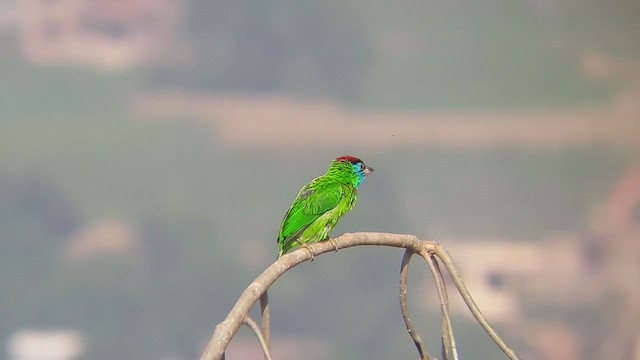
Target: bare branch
<point x="265" y="315"/>
<point x="253" y="325"/>
<point x="450" y="352"/>
<point x="446" y="316"/>
<point x="415" y="336"/>
<point x="441" y="253"/>
<point x="225" y="330"/>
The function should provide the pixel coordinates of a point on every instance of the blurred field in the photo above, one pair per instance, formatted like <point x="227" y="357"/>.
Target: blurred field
<point x="284" y="122"/>
<point x="148" y="151"/>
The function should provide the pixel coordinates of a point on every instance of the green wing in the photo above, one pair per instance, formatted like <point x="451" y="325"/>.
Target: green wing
<point x="315" y="199"/>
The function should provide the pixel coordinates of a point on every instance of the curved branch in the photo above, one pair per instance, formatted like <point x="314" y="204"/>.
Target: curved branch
<point x="444" y="256"/>
<point x="415" y="336"/>
<point x="265" y="315"/>
<point x="449" y="334"/>
<point x="225" y="330"/>
<point x="253" y="325"/>
<point x="449" y="350"/>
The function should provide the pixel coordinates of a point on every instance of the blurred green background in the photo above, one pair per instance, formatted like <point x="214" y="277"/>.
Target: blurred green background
<point x="140" y="233"/>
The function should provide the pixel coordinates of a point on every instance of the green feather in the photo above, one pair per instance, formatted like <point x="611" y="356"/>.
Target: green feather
<point x="319" y="205"/>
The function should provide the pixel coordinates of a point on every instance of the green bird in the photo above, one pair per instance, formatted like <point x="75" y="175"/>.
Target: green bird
<point x="321" y="203"/>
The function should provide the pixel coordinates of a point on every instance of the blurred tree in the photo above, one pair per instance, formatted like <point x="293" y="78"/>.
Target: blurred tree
<point x="611" y="26"/>
<point x="34" y="200"/>
<point x="35" y="218"/>
<point x="495" y="53"/>
<point x="310" y="48"/>
<point x="161" y="245"/>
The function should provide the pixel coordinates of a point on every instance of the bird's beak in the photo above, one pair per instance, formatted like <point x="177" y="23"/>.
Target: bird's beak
<point x="368" y="170"/>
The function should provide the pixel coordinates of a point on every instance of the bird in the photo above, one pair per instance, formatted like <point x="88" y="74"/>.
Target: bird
<point x="321" y="203"/>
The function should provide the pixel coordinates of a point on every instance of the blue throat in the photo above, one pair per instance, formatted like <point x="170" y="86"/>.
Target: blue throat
<point x="359" y="173"/>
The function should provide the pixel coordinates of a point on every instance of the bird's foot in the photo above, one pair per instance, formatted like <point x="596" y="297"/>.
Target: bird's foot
<point x="334" y="243"/>
<point x="309" y="250"/>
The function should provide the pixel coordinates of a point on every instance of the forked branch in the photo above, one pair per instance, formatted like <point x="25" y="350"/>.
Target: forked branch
<point x="253" y="325"/>
<point x="224" y="331"/>
<point x="265" y="314"/>
<point x="449" y="350"/>
<point x="415" y="336"/>
<point x="441" y="253"/>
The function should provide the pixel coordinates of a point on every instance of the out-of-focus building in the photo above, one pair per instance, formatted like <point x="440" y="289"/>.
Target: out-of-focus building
<point x="99" y="33"/>
<point x="622" y="73"/>
<point x="510" y="280"/>
<point x="104" y="237"/>
<point x="501" y="272"/>
<point x="46" y="345"/>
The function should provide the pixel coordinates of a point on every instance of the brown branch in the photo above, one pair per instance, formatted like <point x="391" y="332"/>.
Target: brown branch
<point x="415" y="336"/>
<point x="449" y="350"/>
<point x="253" y="325"/>
<point x="444" y="256"/>
<point x="226" y="329"/>
<point x="452" y="340"/>
<point x="265" y="314"/>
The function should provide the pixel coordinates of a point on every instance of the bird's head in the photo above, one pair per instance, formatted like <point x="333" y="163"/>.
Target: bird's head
<point x="360" y="170"/>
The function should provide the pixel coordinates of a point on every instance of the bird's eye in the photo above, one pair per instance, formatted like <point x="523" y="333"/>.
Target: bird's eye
<point x="361" y="166"/>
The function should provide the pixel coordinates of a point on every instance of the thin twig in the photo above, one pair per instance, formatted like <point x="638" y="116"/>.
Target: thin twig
<point x="444" y="256"/>
<point x="415" y="336"/>
<point x="444" y="305"/>
<point x="448" y="317"/>
<point x="265" y="315"/>
<point x="253" y="325"/>
<point x="450" y="352"/>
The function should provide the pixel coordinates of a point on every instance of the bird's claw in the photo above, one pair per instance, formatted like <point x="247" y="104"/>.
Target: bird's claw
<point x="334" y="243"/>
<point x="309" y="250"/>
